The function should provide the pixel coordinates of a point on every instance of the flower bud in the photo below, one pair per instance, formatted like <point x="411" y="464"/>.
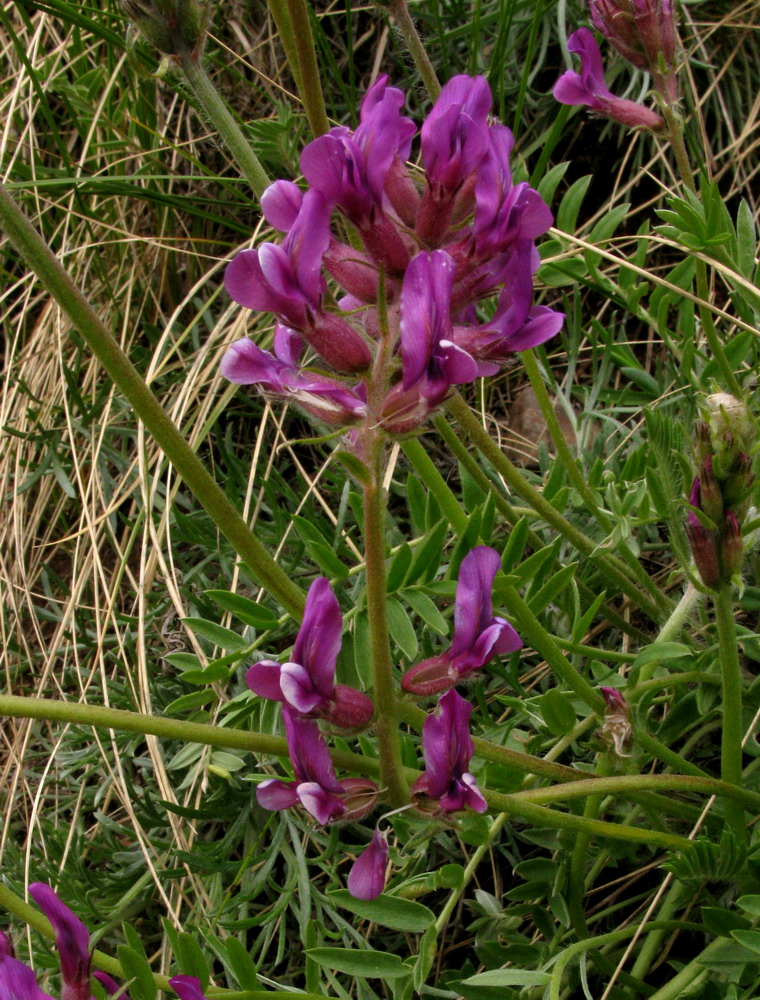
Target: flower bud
<point x="709" y="497"/>
<point x="366" y="880"/>
<point x="731" y="547"/>
<point x="174" y="27"/>
<point x="644" y="33"/>
<point x="359" y="798"/>
<point x="350" y="708"/>
<point x="730" y="428"/>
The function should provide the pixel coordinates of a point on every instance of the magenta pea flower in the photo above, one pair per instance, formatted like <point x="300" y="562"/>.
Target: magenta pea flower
<point x="72" y="940"/>
<point x="187" y="987"/>
<point x="315" y="786"/>
<point x="307" y="682"/>
<point x="447" y="748"/>
<point x="17" y="981"/>
<point x="478" y="634"/>
<point x="588" y="87"/>
<point x="366" y="880"/>
<point x="277" y="375"/>
<point x="287" y="280"/>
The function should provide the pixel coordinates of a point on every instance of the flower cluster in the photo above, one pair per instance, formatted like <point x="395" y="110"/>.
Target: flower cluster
<point x="644" y="33"/>
<point x="307" y="691"/>
<point x="431" y="252"/>
<point x="720" y="493"/>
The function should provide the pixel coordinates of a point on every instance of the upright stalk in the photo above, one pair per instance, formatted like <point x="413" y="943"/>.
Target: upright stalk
<point x="612" y="567"/>
<point x="219" y="115"/>
<point x="307" y="75"/>
<point x="41" y="260"/>
<point x="674" y="122"/>
<point x="405" y="24"/>
<point x="731" y="744"/>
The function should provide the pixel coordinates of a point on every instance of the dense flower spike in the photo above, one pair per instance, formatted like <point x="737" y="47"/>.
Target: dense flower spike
<point x="307" y="683"/>
<point x="478" y="635"/>
<point x="315" y="786"/>
<point x="588" y="87"/>
<point x="447" y="748"/>
<point x="366" y="880"/>
<point x="72" y="939"/>
<point x="430" y="252"/>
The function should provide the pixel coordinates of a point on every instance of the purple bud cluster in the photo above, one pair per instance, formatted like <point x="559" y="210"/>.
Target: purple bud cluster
<point x="431" y="249"/>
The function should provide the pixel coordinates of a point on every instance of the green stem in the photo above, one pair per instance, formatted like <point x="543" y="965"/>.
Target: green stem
<point x="674" y="122"/>
<point x="574" y="472"/>
<point x="577" y="873"/>
<point x="599" y="941"/>
<point x="386" y="724"/>
<point x="542" y="816"/>
<point x="651" y="947"/>
<point x="400" y="12"/>
<point x="41" y="260"/>
<point x="281" y="17"/>
<point x="533" y="631"/>
<point x="431" y="477"/>
<point x="661" y="752"/>
<point x="469" y="872"/>
<point x="511" y="516"/>
<point x="218" y="113"/>
<point x="673" y="627"/>
<point x="614" y="569"/>
<point x="310" y="90"/>
<point x="731" y="744"/>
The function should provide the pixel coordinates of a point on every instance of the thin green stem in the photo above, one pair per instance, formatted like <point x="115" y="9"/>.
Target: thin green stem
<point x="512" y="515"/>
<point x="472" y="865"/>
<point x="219" y="115"/>
<point x="673" y="627"/>
<point x="574" y="472"/>
<point x="674" y="122"/>
<point x="308" y="72"/>
<point x="281" y="17"/>
<point x="540" y="815"/>
<point x="405" y="24"/>
<point x="431" y="477"/>
<point x="610" y="565"/>
<point x="651" y="947"/>
<point x="577" y="873"/>
<point x="731" y="741"/>
<point x="41" y="260"/>
<point x="533" y="631"/>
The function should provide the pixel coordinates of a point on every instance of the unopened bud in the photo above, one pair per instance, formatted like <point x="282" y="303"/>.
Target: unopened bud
<point x="359" y="798"/>
<point x="705" y="551"/>
<point x="335" y="340"/>
<point x="349" y="709"/>
<point x="731" y="430"/>
<point x="174" y="27"/>
<point x="709" y="495"/>
<point x="731" y="548"/>
<point x="644" y="33"/>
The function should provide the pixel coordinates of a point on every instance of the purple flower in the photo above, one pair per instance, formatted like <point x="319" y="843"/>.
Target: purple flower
<point x="644" y="33"/>
<point x="366" y="880"/>
<point x="287" y="280"/>
<point x="447" y="748"/>
<point x="307" y="683"/>
<point x="431" y="361"/>
<point x="315" y="786"/>
<point x="110" y="985"/>
<point x="187" y="987"/>
<point x="350" y="170"/>
<point x="454" y="139"/>
<point x="72" y="939"/>
<point x="478" y="635"/>
<point x="589" y="87"/>
<point x="277" y="375"/>
<point x="517" y="324"/>
<point x="17" y="981"/>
